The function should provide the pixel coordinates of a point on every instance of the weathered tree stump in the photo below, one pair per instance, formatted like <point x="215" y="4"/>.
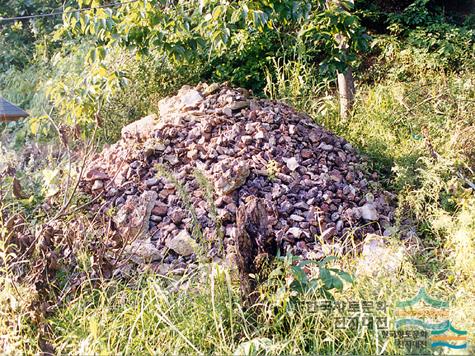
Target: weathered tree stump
<point x="254" y="243"/>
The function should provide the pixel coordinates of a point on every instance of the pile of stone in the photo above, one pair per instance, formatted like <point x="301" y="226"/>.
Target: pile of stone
<point x="182" y="175"/>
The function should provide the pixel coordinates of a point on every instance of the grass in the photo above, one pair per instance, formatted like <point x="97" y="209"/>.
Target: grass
<point x="417" y="136"/>
<point x="201" y="314"/>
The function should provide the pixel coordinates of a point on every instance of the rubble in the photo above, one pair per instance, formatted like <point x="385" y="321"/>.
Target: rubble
<point x="312" y="182"/>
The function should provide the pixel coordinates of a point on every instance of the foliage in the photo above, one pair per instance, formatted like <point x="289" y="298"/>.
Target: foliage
<point x="18" y="333"/>
<point x="416" y="14"/>
<point x="109" y="49"/>
<point x="446" y="45"/>
<point x="20" y="41"/>
<point x="235" y="41"/>
<point x="248" y="56"/>
<point x="293" y="270"/>
<point x="153" y="315"/>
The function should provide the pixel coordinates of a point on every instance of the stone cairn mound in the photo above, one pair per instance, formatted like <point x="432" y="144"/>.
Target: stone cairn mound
<point x="309" y="184"/>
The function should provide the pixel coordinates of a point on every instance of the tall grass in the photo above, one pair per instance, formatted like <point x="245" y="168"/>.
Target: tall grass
<point x="17" y="322"/>
<point x="202" y="314"/>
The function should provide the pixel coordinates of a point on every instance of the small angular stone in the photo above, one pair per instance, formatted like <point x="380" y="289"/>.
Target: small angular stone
<point x="306" y="153"/>
<point x="160" y="209"/>
<point x="98" y="184"/>
<point x="151" y="182"/>
<point x="292" y="163"/>
<point x="295" y="231"/>
<point x="296" y="217"/>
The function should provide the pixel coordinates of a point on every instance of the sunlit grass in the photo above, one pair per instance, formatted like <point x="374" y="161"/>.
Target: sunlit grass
<point x="202" y="314"/>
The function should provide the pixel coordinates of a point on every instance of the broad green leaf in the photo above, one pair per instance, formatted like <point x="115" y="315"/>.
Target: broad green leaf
<point x="236" y="15"/>
<point x="327" y="259"/>
<point x="345" y="276"/>
<point x="326" y="278"/>
<point x="337" y="283"/>
<point x="299" y="274"/>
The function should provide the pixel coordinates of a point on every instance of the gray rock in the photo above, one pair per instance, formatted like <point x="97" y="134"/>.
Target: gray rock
<point x="233" y="178"/>
<point x="296" y="217"/>
<point x="182" y="244"/>
<point x="141" y="251"/>
<point x="326" y="147"/>
<point x="133" y="217"/>
<point x="151" y="182"/>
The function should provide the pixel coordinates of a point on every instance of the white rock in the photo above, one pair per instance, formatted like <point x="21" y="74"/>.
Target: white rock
<point x="296" y="217"/>
<point x="292" y="163"/>
<point x="140" y="129"/>
<point x="190" y="98"/>
<point x="295" y="231"/>
<point x="259" y="135"/>
<point x="97" y="185"/>
<point x="368" y="212"/>
<point x="166" y="106"/>
<point x="378" y="258"/>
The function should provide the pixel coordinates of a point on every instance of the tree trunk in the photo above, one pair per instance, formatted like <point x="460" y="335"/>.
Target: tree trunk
<point x="346" y="91"/>
<point x="346" y="84"/>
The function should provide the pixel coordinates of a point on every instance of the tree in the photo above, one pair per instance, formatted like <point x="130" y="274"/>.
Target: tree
<point x="184" y="30"/>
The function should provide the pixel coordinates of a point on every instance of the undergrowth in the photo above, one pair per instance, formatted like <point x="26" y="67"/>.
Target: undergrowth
<point x="411" y="132"/>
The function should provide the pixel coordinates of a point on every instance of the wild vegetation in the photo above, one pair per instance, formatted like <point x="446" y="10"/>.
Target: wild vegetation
<point x="84" y="74"/>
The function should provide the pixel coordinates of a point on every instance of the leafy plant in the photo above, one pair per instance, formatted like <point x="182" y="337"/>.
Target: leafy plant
<point x="237" y="39"/>
<point x="296" y="273"/>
